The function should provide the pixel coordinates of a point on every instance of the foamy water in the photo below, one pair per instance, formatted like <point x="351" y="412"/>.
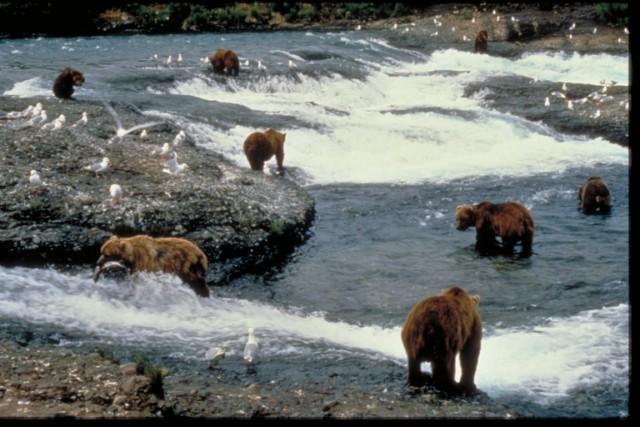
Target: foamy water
<point x="381" y="130"/>
<point x="544" y="361"/>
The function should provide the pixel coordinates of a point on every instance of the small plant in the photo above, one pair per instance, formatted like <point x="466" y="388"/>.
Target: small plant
<point x="277" y="226"/>
<point x="107" y="355"/>
<point x="153" y="372"/>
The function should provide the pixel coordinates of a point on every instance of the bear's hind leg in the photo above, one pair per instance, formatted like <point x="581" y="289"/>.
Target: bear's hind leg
<point x="444" y="374"/>
<point x="417" y="378"/>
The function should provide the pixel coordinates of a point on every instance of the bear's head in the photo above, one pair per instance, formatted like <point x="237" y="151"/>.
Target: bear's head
<point x="276" y="136"/>
<point x="465" y="217"/>
<point x="76" y="76"/>
<point x="115" y="250"/>
<point x="458" y="292"/>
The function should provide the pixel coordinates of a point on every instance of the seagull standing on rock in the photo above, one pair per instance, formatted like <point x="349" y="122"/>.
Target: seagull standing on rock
<point x="179" y="139"/>
<point x="173" y="167"/>
<point x="83" y="120"/>
<point x="55" y="124"/>
<point x="570" y="105"/>
<point x="35" y="181"/>
<point x="116" y="194"/>
<point x="98" y="168"/>
<point x="546" y="102"/>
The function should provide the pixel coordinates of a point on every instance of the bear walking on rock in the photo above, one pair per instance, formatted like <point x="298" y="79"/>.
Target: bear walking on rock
<point x="166" y="254"/>
<point x="511" y="221"/>
<point x="594" y="196"/>
<point x="63" y="86"/>
<point x="436" y="330"/>
<point x="481" y="42"/>
<point x="261" y="146"/>
<point x="225" y="61"/>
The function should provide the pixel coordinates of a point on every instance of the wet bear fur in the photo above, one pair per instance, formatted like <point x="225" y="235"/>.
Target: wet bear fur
<point x="261" y="146"/>
<point x="63" y="86"/>
<point x="436" y="330"/>
<point x="594" y="196"/>
<point x="511" y="221"/>
<point x="166" y="254"/>
<point x="225" y="61"/>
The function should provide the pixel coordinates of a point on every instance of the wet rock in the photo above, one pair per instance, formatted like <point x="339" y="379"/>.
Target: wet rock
<point x="128" y="369"/>
<point x="240" y="227"/>
<point x="24" y="338"/>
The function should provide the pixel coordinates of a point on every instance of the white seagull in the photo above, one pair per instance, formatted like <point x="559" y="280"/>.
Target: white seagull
<point x="465" y="38"/>
<point x="434" y="34"/>
<point x="179" y="139"/>
<point x="56" y="124"/>
<point x="83" y="120"/>
<point x="570" y="36"/>
<point x="246" y="63"/>
<point x="144" y="134"/>
<point x="395" y="26"/>
<point x="213" y="355"/>
<point x="498" y="18"/>
<point x="626" y="31"/>
<point x="37" y="120"/>
<point x="595" y="30"/>
<point x="292" y="64"/>
<point x="122" y="132"/>
<point x="572" y="27"/>
<point x="35" y="181"/>
<point x="179" y="57"/>
<point x="546" y="102"/>
<point x="168" y="61"/>
<point x="570" y="105"/>
<point x="564" y="87"/>
<point x="250" y="348"/>
<point x="173" y="167"/>
<point x="98" y="167"/>
<point x="597" y="114"/>
<point x="19" y="114"/>
<point x="261" y="67"/>
<point x="359" y="27"/>
<point x="116" y="194"/>
<point x="473" y="20"/>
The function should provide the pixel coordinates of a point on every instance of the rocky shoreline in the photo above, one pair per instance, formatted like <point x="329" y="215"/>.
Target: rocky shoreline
<point x="244" y="221"/>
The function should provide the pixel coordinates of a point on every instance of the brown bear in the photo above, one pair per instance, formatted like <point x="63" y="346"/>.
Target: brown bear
<point x="166" y="254"/>
<point x="225" y="61"/>
<point x="594" y="196"/>
<point x="481" y="42"/>
<point x="436" y="330"/>
<point x="511" y="221"/>
<point x="63" y="86"/>
<point x="261" y="146"/>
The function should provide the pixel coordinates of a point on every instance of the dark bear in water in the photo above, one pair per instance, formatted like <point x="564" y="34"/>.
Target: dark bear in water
<point x="225" y="61"/>
<point x="511" y="221"/>
<point x="436" y="330"/>
<point x="63" y="86"/>
<point x="594" y="196"/>
<point x="481" y="42"/>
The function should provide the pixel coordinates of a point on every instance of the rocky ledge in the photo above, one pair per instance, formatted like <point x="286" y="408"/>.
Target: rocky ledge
<point x="243" y="220"/>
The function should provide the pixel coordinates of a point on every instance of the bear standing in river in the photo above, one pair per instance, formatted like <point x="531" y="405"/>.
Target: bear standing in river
<point x="63" y="86"/>
<point x="166" y="254"/>
<point x="436" y="330"/>
<point x="594" y="196"/>
<point x="261" y="146"/>
<point x="225" y="61"/>
<point x="481" y="42"/>
<point x="511" y="221"/>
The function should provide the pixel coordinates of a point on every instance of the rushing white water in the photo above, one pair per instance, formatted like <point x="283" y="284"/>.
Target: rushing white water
<point x="559" y="353"/>
<point x="407" y="123"/>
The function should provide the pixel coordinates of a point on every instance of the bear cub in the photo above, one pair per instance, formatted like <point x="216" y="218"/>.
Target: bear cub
<point x="63" y="86"/>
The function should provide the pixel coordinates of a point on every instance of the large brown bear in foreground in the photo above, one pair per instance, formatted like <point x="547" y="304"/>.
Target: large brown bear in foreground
<point x="511" y="221"/>
<point x="261" y="146"/>
<point x="63" y="86"/>
<point x="436" y="330"/>
<point x="225" y="61"/>
<point x="481" y="42"/>
<point x="166" y="254"/>
<point x="594" y="196"/>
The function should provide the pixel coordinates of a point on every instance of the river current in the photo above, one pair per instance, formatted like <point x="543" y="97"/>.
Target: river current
<point x="382" y="137"/>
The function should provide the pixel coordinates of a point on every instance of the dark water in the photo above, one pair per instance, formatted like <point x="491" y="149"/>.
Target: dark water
<point x="385" y="142"/>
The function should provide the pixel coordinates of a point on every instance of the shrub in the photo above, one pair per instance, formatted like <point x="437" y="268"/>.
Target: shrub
<point x="153" y="372"/>
<point x="612" y="13"/>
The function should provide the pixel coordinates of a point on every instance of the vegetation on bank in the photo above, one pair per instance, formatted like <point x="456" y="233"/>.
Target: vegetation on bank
<point x="20" y="19"/>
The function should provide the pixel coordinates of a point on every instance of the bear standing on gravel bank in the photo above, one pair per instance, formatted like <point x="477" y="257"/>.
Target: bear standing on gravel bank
<point x="63" y="86"/>
<point x="436" y="330"/>
<point x="225" y="61"/>
<point x="261" y="146"/>
<point x="166" y="254"/>
<point x="511" y="221"/>
<point x="594" y="196"/>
